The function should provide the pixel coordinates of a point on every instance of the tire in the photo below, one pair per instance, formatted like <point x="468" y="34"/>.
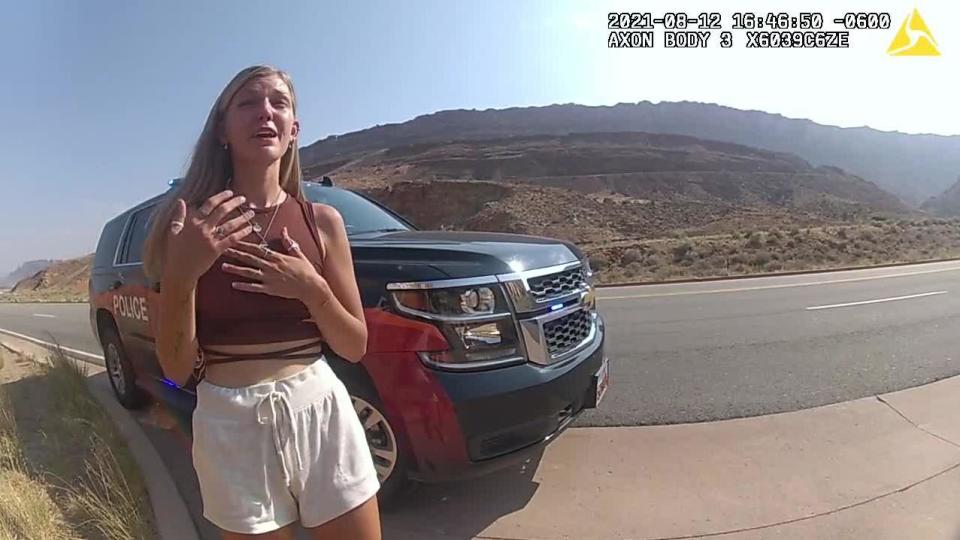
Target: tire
<point x="123" y="380"/>
<point x="389" y="458"/>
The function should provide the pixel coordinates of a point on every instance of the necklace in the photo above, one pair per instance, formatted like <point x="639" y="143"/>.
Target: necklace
<point x="257" y="228"/>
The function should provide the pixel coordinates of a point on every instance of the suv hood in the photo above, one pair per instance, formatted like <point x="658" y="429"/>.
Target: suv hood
<point x="460" y="254"/>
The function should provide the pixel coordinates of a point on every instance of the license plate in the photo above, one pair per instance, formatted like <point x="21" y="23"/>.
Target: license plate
<point x="603" y="380"/>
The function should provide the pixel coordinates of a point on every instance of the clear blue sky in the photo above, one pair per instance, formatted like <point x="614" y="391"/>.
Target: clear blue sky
<point x="102" y="100"/>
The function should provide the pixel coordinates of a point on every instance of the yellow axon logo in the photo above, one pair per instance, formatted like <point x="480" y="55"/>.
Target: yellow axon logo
<point x="913" y="38"/>
<point x="132" y="307"/>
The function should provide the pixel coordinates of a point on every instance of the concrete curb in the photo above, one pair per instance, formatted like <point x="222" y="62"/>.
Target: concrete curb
<point x="171" y="517"/>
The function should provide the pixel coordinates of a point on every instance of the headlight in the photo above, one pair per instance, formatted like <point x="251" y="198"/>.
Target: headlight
<point x="476" y="321"/>
<point x="453" y="302"/>
<point x="477" y="346"/>
<point x="587" y="271"/>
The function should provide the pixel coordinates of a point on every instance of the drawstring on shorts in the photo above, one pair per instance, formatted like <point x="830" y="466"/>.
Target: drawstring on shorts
<point x="279" y="439"/>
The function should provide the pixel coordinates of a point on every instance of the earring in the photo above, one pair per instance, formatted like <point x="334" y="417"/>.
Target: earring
<point x="226" y="146"/>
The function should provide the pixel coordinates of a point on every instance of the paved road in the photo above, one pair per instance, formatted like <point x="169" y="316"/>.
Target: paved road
<point x="68" y="324"/>
<point x="717" y="350"/>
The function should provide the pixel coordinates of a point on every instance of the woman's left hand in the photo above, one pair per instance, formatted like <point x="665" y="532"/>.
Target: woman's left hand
<point x="277" y="274"/>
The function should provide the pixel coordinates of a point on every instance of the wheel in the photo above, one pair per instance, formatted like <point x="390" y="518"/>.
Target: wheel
<point x="388" y="458"/>
<point x="123" y="380"/>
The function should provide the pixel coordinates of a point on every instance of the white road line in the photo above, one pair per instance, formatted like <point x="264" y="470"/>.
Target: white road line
<point x="783" y="286"/>
<point x="865" y="302"/>
<point x="44" y="315"/>
<point x="81" y="354"/>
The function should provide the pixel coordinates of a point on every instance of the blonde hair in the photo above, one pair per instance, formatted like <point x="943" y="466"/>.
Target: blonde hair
<point x="211" y="167"/>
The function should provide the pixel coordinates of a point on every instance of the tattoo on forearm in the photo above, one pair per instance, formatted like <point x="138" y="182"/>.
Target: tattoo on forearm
<point x="178" y="343"/>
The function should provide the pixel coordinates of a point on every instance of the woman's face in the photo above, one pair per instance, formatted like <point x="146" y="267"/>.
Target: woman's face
<point x="259" y="124"/>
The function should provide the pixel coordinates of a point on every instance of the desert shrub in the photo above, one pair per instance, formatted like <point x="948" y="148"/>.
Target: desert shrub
<point x="755" y="240"/>
<point x="738" y="259"/>
<point x="631" y="255"/>
<point x="599" y="260"/>
<point x="653" y="260"/>
<point x="682" y="252"/>
<point x="701" y="267"/>
<point x="761" y="259"/>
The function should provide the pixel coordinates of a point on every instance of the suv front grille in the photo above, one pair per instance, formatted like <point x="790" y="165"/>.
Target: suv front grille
<point x="544" y="288"/>
<point x="567" y="332"/>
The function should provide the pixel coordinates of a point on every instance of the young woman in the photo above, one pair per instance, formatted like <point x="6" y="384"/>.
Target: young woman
<point x="254" y="280"/>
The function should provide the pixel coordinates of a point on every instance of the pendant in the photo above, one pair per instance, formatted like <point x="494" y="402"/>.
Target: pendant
<point x="257" y="228"/>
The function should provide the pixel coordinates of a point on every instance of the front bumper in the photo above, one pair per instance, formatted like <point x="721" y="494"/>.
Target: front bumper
<point x="506" y="415"/>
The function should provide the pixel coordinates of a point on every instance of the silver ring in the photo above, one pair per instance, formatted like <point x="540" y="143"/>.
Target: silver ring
<point x="218" y="231"/>
<point x="294" y="246"/>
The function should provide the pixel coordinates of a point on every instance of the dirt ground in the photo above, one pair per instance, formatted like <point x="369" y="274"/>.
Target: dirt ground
<point x="68" y="456"/>
<point x="14" y="367"/>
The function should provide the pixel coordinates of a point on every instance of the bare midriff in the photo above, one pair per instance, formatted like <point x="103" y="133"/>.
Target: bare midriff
<point x="247" y="372"/>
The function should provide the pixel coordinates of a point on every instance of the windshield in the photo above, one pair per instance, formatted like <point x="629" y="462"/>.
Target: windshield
<point x="359" y="214"/>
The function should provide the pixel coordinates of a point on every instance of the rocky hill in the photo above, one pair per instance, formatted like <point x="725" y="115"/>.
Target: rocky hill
<point x="914" y="167"/>
<point x="601" y="186"/>
<point x="25" y="270"/>
<point x="67" y="280"/>
<point x="947" y="203"/>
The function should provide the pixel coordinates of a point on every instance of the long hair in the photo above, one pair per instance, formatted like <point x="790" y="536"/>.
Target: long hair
<point x="211" y="167"/>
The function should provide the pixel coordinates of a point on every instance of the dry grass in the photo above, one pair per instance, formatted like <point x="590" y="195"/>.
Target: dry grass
<point x="64" y="470"/>
<point x="27" y="509"/>
<point x="43" y="297"/>
<point x="774" y="250"/>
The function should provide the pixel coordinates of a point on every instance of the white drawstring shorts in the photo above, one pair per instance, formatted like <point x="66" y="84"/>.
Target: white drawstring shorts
<point x="274" y="452"/>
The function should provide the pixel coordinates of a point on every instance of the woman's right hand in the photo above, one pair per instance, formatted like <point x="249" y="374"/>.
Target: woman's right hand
<point x="197" y="237"/>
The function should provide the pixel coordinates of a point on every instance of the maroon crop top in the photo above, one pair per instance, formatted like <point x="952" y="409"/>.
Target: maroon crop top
<point x="227" y="316"/>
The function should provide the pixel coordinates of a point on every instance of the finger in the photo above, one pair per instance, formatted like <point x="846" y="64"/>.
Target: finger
<point x="214" y="201"/>
<point x="292" y="246"/>
<point x="220" y="213"/>
<point x="235" y="224"/>
<point x="247" y="258"/>
<point x="249" y="247"/>
<point x="249" y="287"/>
<point x="264" y="253"/>
<point x="179" y="216"/>
<point x="243" y="271"/>
<point x="235" y="237"/>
